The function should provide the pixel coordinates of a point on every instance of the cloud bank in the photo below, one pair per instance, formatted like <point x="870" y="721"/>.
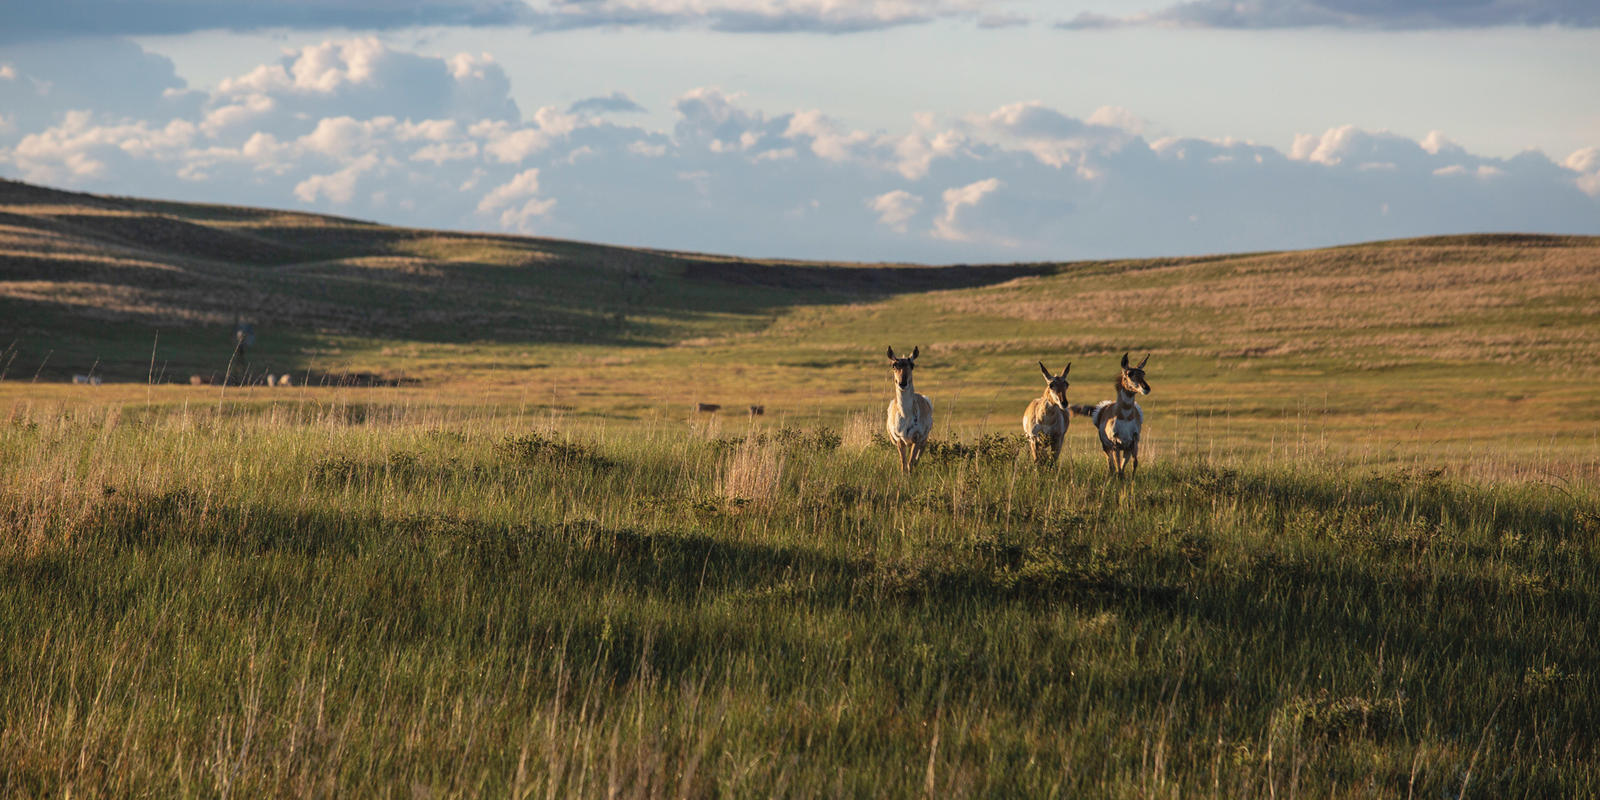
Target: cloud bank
<point x="76" y="18"/>
<point x="357" y="128"/>
<point x="58" y="19"/>
<point x="65" y="19"/>
<point x="1359" y="14"/>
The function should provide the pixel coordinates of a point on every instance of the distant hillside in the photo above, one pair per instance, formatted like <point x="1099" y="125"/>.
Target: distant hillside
<point x="89" y="279"/>
<point x="1480" y="351"/>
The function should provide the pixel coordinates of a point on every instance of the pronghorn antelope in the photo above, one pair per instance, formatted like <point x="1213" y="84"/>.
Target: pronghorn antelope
<point x="1045" y="421"/>
<point x="910" y="414"/>
<point x="1118" y="421"/>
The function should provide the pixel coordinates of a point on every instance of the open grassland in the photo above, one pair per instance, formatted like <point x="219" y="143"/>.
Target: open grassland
<point x="1359" y="559"/>
<point x="315" y="601"/>
<point x="1477" y="353"/>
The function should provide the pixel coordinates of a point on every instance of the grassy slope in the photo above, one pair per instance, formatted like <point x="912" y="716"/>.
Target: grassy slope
<point x="92" y="279"/>
<point x="1481" y="353"/>
<point x="251" y="591"/>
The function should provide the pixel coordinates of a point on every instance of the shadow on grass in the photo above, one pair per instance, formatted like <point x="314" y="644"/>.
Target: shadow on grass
<point x="303" y="279"/>
<point x="627" y="602"/>
<point x="858" y="280"/>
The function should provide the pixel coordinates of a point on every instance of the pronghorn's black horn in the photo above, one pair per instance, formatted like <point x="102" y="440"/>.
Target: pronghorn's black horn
<point x="914" y="352"/>
<point x="1146" y="358"/>
<point x="891" y="354"/>
<point x="1067" y="370"/>
<point x="1124" y="360"/>
<point x="1045" y="370"/>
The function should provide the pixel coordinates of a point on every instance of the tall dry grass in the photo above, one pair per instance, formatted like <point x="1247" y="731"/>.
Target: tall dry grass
<point x="293" y="600"/>
<point x="754" y="472"/>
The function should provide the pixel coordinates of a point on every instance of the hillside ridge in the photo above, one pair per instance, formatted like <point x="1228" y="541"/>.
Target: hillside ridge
<point x="88" y="282"/>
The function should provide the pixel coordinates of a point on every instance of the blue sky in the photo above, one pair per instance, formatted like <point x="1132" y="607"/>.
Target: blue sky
<point x="941" y="131"/>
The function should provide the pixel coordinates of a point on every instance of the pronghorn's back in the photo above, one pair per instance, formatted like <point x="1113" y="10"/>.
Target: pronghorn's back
<point x="1092" y="412"/>
<point x="1115" y="431"/>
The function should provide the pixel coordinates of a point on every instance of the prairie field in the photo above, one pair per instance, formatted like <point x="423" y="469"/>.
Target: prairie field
<point x="484" y="547"/>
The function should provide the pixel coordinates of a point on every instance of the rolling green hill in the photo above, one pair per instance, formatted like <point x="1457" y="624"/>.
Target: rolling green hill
<point x="1481" y="352"/>
<point x="92" y="279"/>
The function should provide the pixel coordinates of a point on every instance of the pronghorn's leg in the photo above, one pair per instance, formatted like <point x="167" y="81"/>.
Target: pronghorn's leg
<point x="1055" y="447"/>
<point x="1111" y="462"/>
<point x="1033" y="447"/>
<point x="916" y="452"/>
<point x="1133" y="454"/>
<point x="901" y="446"/>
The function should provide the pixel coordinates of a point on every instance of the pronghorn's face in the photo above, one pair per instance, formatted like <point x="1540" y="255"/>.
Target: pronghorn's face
<point x="1057" y="388"/>
<point x="1132" y="379"/>
<point x="902" y="367"/>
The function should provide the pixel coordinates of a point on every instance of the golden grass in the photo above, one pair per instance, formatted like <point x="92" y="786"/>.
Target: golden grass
<point x="754" y="472"/>
<point x="1480" y="353"/>
<point x="1318" y="299"/>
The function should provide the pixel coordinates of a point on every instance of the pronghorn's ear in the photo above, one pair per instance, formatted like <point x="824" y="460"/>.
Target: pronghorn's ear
<point x="1124" y="360"/>
<point x="914" y="353"/>
<point x="891" y="353"/>
<point x="1146" y="358"/>
<point x="1047" y="375"/>
<point x="1067" y="370"/>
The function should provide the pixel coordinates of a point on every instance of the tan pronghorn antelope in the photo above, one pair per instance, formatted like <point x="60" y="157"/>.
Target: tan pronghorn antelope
<point x="1045" y="421"/>
<point x="1118" y="421"/>
<point x="910" y="414"/>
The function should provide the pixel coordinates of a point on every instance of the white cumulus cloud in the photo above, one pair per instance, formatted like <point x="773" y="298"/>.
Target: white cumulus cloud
<point x="947" y="226"/>
<point x="517" y="201"/>
<point x="338" y="187"/>
<point x="361" y="127"/>
<point x="896" y="208"/>
<point x="1586" y="163"/>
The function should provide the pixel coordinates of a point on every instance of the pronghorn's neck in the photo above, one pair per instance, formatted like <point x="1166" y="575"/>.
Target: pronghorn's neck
<point x="1125" y="403"/>
<point x="1049" y="398"/>
<point x="907" y="395"/>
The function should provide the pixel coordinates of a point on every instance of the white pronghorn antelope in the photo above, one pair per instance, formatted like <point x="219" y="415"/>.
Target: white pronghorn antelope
<point x="1118" y="421"/>
<point x="910" y="414"/>
<point x="1045" y="421"/>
